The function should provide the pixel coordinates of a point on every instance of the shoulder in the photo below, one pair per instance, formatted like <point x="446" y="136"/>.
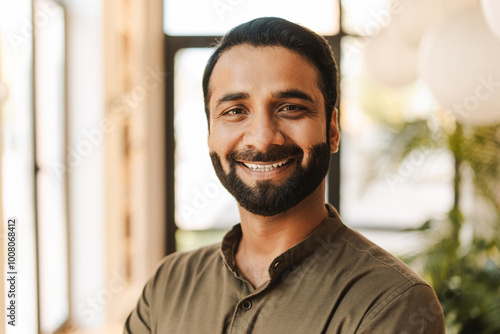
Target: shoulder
<point x="193" y="258"/>
<point x="176" y="276"/>
<point x="174" y="267"/>
<point x="186" y="257"/>
<point x="395" y="295"/>
<point x="368" y="257"/>
<point x="373" y="290"/>
<point x="361" y="255"/>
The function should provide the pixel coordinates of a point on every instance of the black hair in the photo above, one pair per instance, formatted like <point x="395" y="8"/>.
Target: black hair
<point x="274" y="31"/>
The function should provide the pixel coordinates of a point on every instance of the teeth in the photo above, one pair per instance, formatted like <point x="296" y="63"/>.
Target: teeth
<point x="266" y="168"/>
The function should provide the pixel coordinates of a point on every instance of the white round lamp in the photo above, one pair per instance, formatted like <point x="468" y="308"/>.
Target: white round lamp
<point x="459" y="59"/>
<point x="412" y="17"/>
<point x="389" y="60"/>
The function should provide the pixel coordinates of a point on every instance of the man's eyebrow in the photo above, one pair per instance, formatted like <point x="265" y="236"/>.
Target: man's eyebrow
<point x="293" y="94"/>
<point x="232" y="97"/>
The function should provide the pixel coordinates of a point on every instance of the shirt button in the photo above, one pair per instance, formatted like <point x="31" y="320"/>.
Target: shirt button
<point x="246" y="305"/>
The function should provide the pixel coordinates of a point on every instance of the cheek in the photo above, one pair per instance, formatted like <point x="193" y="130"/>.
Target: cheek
<point x="307" y="135"/>
<point x="222" y="141"/>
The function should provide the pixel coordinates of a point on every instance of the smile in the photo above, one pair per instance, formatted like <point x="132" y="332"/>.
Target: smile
<point x="266" y="168"/>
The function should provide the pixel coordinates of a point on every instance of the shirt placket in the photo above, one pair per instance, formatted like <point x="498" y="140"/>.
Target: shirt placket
<point x="244" y="317"/>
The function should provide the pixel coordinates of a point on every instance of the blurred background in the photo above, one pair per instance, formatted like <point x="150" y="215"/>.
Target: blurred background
<point x="105" y="167"/>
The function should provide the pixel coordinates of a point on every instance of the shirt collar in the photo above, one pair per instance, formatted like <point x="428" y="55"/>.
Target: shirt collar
<point x="322" y="239"/>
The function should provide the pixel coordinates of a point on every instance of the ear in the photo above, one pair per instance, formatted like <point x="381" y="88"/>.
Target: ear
<point x="334" y="132"/>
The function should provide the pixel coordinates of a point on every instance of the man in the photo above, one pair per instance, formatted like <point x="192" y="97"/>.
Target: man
<point x="291" y="266"/>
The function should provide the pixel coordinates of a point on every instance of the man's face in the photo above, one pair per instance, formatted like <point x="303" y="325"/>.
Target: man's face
<point x="267" y="136"/>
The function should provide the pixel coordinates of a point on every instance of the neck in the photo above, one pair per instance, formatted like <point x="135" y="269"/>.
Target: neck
<point x="264" y="238"/>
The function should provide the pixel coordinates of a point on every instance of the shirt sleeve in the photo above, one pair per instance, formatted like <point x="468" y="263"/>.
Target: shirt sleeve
<point x="414" y="311"/>
<point x="139" y="321"/>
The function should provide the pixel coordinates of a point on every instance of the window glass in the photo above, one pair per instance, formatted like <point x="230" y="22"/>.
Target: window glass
<point x="374" y="194"/>
<point x="216" y="17"/>
<point x="50" y="143"/>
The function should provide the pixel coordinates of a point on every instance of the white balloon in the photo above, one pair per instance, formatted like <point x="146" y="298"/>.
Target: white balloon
<point x="491" y="11"/>
<point x="453" y="7"/>
<point x="412" y="17"/>
<point x="459" y="59"/>
<point x="389" y="60"/>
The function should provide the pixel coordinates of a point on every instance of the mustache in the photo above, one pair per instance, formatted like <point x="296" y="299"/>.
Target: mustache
<point x="274" y="153"/>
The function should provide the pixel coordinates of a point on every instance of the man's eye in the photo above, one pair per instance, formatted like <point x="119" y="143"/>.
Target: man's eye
<point x="292" y="108"/>
<point x="234" y="112"/>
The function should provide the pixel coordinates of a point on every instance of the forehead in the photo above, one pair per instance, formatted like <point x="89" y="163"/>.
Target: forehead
<point x="255" y="70"/>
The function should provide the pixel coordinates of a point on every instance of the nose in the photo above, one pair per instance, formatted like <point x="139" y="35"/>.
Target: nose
<point x="262" y="132"/>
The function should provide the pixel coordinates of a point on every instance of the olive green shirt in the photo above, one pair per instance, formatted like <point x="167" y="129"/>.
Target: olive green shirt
<point x="335" y="281"/>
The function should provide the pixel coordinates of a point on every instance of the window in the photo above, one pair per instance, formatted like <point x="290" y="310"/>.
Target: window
<point x="50" y="106"/>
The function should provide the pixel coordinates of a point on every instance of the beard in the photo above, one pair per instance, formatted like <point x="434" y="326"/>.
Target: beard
<point x="268" y="199"/>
